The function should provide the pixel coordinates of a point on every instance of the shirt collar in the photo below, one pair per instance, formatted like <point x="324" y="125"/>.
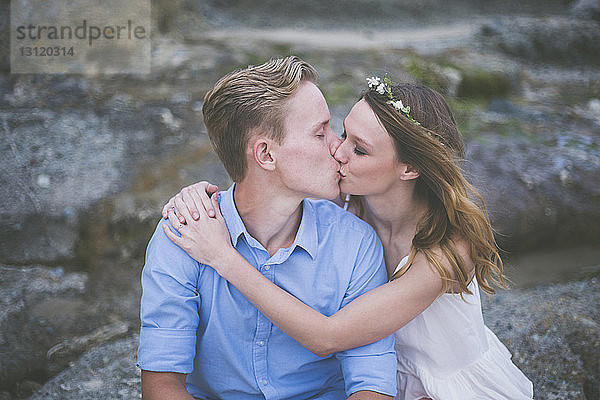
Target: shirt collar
<point x="306" y="237"/>
<point x="234" y="222"/>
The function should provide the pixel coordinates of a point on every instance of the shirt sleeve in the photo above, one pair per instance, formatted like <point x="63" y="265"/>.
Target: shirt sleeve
<point x="169" y="310"/>
<point x="371" y="367"/>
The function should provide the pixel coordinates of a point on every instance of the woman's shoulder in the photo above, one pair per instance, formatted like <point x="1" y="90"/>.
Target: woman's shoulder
<point x="462" y="258"/>
<point x="423" y="266"/>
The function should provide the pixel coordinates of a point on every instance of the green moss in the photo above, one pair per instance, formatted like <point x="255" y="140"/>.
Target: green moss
<point x="252" y="58"/>
<point x="472" y="127"/>
<point x="282" y="50"/>
<point x="463" y="110"/>
<point x="338" y="93"/>
<point x="428" y="74"/>
<point x="483" y="84"/>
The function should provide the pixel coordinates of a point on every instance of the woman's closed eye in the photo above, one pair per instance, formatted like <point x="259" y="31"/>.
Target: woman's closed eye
<point x="357" y="150"/>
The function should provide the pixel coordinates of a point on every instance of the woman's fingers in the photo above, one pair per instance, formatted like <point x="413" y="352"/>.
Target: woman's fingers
<point x="203" y="191"/>
<point x="214" y="199"/>
<point x="204" y="186"/>
<point x="192" y="202"/>
<point x="178" y="206"/>
<point x="178" y="240"/>
<point x="195" y="198"/>
<point x="174" y="220"/>
<point x="210" y="189"/>
<point x="167" y="207"/>
<point x="204" y="198"/>
<point x="182" y="210"/>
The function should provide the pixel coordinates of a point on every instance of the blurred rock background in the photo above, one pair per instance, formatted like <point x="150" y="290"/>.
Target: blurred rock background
<point x="87" y="162"/>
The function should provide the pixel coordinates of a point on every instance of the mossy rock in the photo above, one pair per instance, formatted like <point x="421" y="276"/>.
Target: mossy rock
<point x="483" y="84"/>
<point x="338" y="93"/>
<point x="430" y="74"/>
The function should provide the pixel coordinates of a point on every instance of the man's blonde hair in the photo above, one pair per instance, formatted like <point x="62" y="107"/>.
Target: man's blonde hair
<point x="251" y="99"/>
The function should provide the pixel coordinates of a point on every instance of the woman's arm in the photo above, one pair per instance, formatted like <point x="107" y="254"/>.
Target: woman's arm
<point x="370" y="317"/>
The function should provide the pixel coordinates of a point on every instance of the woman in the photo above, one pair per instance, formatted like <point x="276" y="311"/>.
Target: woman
<point x="400" y="159"/>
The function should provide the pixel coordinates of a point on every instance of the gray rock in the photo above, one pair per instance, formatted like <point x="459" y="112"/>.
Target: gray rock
<point x="4" y="37"/>
<point x="47" y="321"/>
<point x="557" y="40"/>
<point x="502" y="106"/>
<point x="37" y="306"/>
<point x="58" y="163"/>
<point x="539" y="193"/>
<point x="586" y="9"/>
<point x="553" y="333"/>
<point x="67" y="348"/>
<point x="106" y="372"/>
<point x="357" y="14"/>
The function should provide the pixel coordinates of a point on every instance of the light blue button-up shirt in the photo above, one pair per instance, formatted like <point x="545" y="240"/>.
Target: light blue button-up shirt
<point x="195" y="322"/>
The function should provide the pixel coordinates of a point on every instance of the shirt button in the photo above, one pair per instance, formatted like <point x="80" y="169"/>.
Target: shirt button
<point x="261" y="343"/>
<point x="267" y="267"/>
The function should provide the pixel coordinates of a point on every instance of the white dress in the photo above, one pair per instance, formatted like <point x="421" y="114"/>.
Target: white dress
<point x="447" y="353"/>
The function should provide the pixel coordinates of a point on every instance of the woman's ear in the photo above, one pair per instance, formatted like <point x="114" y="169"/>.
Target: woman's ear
<point x="262" y="153"/>
<point x="408" y="172"/>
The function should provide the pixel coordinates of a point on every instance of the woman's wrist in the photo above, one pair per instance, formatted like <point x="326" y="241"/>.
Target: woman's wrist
<point x="227" y="262"/>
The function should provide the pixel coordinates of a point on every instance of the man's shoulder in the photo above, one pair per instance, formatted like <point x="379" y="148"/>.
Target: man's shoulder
<point x="164" y="254"/>
<point x="330" y="215"/>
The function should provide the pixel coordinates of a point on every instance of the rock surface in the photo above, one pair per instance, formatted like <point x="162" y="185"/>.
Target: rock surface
<point x="554" y="334"/>
<point x="37" y="305"/>
<point x="60" y="162"/>
<point x="45" y="317"/>
<point x="560" y="40"/>
<point x="589" y="9"/>
<point x="106" y="372"/>
<point x="539" y="192"/>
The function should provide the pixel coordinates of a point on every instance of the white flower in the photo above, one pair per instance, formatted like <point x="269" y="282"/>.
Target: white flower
<point x="397" y="105"/>
<point x="373" y="81"/>
<point x="381" y="88"/>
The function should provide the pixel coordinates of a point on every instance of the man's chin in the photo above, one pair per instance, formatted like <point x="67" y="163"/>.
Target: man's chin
<point x="330" y="195"/>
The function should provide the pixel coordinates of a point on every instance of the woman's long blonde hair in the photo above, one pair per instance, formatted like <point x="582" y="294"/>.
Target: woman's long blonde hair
<point x="455" y="208"/>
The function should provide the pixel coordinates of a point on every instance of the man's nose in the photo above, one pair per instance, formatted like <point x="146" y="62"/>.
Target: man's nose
<point x="339" y="154"/>
<point x="333" y="142"/>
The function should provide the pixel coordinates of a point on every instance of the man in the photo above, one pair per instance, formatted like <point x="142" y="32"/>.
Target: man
<point x="270" y="127"/>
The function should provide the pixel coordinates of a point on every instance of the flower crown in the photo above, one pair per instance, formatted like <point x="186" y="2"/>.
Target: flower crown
<point x="385" y="88"/>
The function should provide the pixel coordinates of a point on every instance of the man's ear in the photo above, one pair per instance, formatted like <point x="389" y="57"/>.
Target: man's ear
<point x="408" y="172"/>
<point x="262" y="149"/>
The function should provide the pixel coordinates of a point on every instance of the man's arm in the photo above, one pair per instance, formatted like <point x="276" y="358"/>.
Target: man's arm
<point x="368" y="395"/>
<point x="169" y="319"/>
<point x="370" y="370"/>
<point x="164" y="386"/>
